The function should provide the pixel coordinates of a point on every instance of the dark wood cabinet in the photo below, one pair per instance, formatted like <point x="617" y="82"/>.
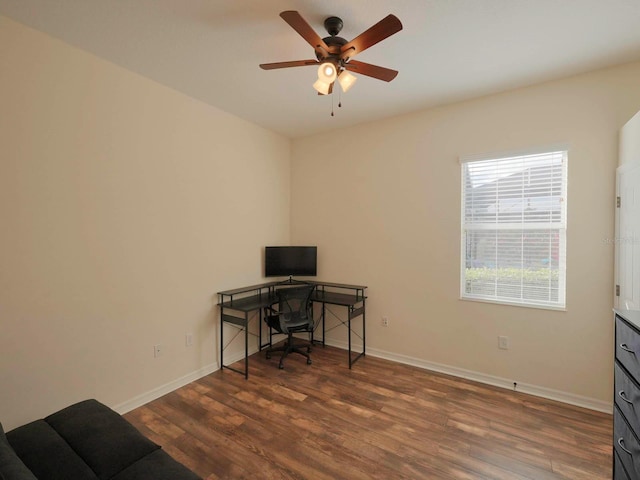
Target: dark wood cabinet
<point x="626" y="410"/>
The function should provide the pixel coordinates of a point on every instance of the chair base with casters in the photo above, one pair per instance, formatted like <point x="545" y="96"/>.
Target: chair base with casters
<point x="294" y="315"/>
<point x="290" y="347"/>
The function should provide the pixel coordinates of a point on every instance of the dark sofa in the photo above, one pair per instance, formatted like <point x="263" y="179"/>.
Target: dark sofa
<point x="85" y="441"/>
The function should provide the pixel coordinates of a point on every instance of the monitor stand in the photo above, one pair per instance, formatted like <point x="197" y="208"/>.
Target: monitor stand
<point x="292" y="281"/>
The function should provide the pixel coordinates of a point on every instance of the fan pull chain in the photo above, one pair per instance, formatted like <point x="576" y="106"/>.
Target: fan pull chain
<point x="339" y="102"/>
<point x="332" y="104"/>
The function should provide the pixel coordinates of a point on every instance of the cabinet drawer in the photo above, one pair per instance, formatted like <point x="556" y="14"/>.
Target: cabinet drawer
<point x="626" y="445"/>
<point x="628" y="347"/>
<point x="627" y="394"/>
<point x="618" y="470"/>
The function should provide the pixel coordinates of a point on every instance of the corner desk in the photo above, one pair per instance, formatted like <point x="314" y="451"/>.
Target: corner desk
<point x="237" y="304"/>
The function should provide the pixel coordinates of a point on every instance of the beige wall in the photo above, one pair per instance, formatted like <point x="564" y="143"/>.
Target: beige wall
<point x="630" y="141"/>
<point x="125" y="206"/>
<point x="384" y="208"/>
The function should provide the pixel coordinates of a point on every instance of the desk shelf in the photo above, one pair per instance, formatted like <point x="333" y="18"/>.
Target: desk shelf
<point x="336" y="298"/>
<point x="248" y="304"/>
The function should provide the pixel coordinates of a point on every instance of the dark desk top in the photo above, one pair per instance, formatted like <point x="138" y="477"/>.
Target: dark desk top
<point x="336" y="298"/>
<point x="266" y="295"/>
<point x="250" y="303"/>
<point x="250" y="288"/>
<point x="319" y="283"/>
<point x="337" y="285"/>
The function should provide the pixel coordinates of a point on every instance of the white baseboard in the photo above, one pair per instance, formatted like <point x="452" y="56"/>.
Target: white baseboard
<point x="551" y="394"/>
<point x="538" y="391"/>
<point x="147" y="397"/>
<point x="169" y="387"/>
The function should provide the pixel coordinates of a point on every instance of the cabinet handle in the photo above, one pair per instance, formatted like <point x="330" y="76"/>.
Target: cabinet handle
<point x="623" y="396"/>
<point x="621" y="444"/>
<point x="626" y="348"/>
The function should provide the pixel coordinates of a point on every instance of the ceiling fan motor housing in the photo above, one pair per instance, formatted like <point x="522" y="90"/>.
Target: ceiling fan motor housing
<point x="333" y="25"/>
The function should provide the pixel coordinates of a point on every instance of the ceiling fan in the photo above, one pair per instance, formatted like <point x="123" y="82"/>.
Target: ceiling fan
<point x="334" y="55"/>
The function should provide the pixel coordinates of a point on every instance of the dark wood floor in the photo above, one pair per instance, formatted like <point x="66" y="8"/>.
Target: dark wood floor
<point x="379" y="420"/>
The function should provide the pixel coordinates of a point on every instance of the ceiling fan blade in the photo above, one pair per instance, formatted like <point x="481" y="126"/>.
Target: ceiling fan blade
<point x="295" y="63"/>
<point x="381" y="30"/>
<point x="381" y="73"/>
<point x="300" y="25"/>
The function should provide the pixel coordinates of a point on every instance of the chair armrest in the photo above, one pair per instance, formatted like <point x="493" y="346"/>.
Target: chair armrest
<point x="273" y="320"/>
<point x="270" y="311"/>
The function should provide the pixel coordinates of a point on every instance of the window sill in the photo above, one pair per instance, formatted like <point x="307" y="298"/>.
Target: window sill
<point x="514" y="304"/>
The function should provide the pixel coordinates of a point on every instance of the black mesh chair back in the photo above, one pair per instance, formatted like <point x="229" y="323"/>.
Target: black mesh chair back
<point x="294" y="315"/>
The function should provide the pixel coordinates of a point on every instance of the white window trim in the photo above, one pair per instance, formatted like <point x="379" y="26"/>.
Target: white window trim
<point x="562" y="306"/>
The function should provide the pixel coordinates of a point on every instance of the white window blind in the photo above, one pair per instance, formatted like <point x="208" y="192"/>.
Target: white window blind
<point x="514" y="229"/>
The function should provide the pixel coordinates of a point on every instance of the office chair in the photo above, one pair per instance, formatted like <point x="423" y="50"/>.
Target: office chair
<point x="294" y="315"/>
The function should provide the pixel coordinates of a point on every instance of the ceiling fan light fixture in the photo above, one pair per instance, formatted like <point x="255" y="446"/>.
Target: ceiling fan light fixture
<point x="327" y="72"/>
<point x="333" y="53"/>
<point x="322" y="87"/>
<point x="346" y="80"/>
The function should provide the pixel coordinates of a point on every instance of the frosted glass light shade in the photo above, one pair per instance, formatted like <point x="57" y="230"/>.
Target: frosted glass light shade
<point x="322" y="87"/>
<point x="346" y="80"/>
<point x="327" y="72"/>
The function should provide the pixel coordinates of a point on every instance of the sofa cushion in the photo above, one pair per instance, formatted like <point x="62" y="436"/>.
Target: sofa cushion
<point x="104" y="440"/>
<point x="11" y="467"/>
<point x="158" y="465"/>
<point x="46" y="454"/>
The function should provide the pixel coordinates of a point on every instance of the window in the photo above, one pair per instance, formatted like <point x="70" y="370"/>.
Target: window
<point x="514" y="220"/>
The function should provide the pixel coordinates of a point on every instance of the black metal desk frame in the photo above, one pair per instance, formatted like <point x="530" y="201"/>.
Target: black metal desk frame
<point x="237" y="304"/>
<point x="354" y="302"/>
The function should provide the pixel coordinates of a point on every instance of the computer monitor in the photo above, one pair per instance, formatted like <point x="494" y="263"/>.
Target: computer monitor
<point x="290" y="261"/>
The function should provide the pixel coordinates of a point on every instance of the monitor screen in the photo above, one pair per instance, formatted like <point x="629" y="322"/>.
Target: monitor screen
<point x="290" y="261"/>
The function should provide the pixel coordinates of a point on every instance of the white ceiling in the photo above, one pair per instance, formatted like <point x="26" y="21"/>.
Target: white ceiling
<point x="449" y="50"/>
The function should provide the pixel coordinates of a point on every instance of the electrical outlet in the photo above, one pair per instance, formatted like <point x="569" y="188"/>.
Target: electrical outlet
<point x="385" y="321"/>
<point x="503" y="342"/>
<point x="157" y="350"/>
<point x="188" y="340"/>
